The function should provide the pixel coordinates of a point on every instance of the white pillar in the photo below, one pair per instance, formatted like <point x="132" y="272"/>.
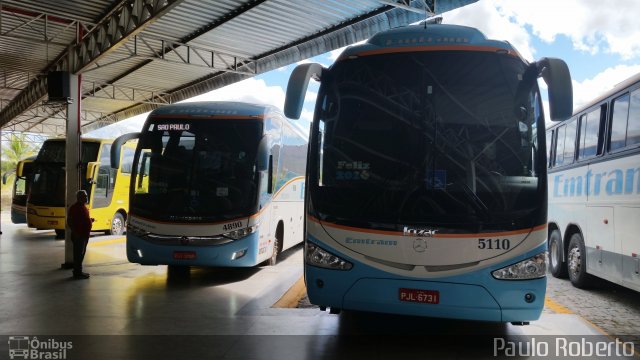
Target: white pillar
<point x="72" y="166"/>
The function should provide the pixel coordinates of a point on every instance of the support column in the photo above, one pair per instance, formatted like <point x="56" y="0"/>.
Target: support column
<point x="72" y="166"/>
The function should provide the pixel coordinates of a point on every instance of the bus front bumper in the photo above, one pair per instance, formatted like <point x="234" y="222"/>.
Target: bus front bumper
<point x="472" y="296"/>
<point x="238" y="253"/>
<point x="46" y="218"/>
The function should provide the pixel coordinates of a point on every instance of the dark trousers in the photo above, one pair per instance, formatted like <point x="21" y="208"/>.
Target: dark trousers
<point x="79" y="249"/>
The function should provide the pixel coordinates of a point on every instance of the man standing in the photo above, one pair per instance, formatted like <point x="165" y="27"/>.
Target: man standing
<point x="80" y="225"/>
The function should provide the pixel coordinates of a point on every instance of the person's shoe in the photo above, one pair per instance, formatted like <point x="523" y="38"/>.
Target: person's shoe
<point x="81" y="276"/>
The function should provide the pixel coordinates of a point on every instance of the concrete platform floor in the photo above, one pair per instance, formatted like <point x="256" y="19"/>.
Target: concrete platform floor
<point x="128" y="311"/>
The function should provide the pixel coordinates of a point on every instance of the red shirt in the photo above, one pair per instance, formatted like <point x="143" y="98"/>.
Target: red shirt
<point x="79" y="220"/>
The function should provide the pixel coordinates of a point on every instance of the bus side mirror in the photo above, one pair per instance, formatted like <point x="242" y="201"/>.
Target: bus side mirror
<point x="20" y="169"/>
<point x="116" y="147"/>
<point x="5" y="177"/>
<point x="555" y="73"/>
<point x="297" y="88"/>
<point x="91" y="170"/>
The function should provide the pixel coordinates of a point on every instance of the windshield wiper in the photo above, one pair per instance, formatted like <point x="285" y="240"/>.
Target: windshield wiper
<point x="477" y="203"/>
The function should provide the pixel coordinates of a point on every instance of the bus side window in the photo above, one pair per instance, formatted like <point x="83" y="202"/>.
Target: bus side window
<point x="589" y="134"/>
<point x="559" y="145"/>
<point x="550" y="134"/>
<point x="633" y="127"/>
<point x="618" y="127"/>
<point x="570" y="142"/>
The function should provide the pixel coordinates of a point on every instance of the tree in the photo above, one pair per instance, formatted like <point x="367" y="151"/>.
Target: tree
<point x="17" y="148"/>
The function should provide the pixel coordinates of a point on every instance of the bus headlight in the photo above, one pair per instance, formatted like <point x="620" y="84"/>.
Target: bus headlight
<point x="532" y="268"/>
<point x="319" y="257"/>
<point x="32" y="211"/>
<point x="240" y="233"/>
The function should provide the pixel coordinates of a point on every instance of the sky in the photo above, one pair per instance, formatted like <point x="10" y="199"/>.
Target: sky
<point x="599" y="41"/>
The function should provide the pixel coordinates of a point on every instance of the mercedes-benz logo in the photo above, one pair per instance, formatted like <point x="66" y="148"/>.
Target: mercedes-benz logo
<point x="420" y="245"/>
<point x="184" y="240"/>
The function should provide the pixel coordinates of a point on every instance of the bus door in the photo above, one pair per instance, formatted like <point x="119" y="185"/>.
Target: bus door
<point x="102" y="187"/>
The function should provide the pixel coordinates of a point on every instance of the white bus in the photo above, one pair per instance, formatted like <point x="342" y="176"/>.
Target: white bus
<point x="215" y="184"/>
<point x="594" y="190"/>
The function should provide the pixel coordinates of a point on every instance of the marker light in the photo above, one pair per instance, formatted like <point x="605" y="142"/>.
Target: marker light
<point x="532" y="268"/>
<point x="238" y="254"/>
<point x="319" y="257"/>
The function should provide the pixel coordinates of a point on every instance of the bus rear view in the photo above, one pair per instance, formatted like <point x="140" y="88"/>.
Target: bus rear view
<point x="426" y="176"/>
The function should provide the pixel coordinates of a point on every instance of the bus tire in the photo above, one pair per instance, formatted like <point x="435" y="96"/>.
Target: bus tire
<point x="117" y="225"/>
<point x="273" y="260"/>
<point x="277" y="245"/>
<point x="59" y="233"/>
<point x="577" y="263"/>
<point x="557" y="267"/>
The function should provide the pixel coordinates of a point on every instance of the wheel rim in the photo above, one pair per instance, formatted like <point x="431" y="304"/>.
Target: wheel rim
<point x="116" y="225"/>
<point x="275" y="250"/>
<point x="574" y="261"/>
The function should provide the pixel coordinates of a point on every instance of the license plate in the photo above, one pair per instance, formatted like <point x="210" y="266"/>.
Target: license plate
<point x="419" y="296"/>
<point x="184" y="255"/>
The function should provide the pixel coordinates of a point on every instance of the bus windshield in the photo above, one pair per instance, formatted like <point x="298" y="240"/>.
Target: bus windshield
<point x="428" y="138"/>
<point x="196" y="170"/>
<point x="48" y="187"/>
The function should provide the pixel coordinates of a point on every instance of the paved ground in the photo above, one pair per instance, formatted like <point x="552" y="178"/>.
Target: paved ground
<point x="612" y="308"/>
<point x="127" y="311"/>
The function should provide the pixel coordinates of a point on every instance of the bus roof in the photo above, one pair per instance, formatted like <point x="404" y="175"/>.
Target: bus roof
<point x="429" y="37"/>
<point x="83" y="139"/>
<point x="215" y="108"/>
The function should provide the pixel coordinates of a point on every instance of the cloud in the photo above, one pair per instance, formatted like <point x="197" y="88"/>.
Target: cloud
<point x="250" y="90"/>
<point x="592" y="26"/>
<point x="486" y="17"/>
<point x="589" y="89"/>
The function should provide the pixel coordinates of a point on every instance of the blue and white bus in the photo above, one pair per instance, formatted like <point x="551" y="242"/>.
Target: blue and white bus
<point x="594" y="190"/>
<point x="215" y="184"/>
<point x="426" y="178"/>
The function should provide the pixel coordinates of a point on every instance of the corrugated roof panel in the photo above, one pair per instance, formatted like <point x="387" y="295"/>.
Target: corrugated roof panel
<point x="89" y="11"/>
<point x="252" y="29"/>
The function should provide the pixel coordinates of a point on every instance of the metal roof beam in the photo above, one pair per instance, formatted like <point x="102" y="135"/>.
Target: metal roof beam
<point x="194" y="35"/>
<point x="43" y="20"/>
<point x="126" y="20"/>
<point x="185" y="54"/>
<point x="126" y="93"/>
<point x="421" y="6"/>
<point x="28" y="137"/>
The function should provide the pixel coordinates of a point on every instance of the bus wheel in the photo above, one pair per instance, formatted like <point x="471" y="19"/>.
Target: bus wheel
<point x="274" y="257"/>
<point x="577" y="263"/>
<point x="59" y="233"/>
<point x="557" y="267"/>
<point x="117" y="224"/>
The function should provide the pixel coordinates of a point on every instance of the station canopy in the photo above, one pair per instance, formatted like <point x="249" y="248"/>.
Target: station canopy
<point x="135" y="55"/>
